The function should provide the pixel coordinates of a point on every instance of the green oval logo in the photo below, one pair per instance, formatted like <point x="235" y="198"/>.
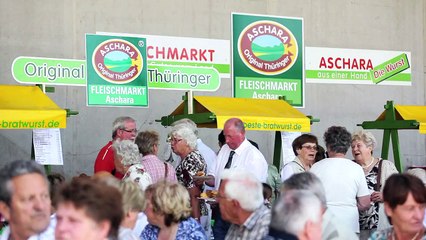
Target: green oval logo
<point x="268" y="48"/>
<point x="117" y="61"/>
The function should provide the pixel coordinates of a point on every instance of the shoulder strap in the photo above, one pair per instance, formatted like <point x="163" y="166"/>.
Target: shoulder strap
<point x="379" y="176"/>
<point x="165" y="170"/>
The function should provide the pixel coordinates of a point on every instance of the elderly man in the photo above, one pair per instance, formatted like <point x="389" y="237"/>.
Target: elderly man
<point x="237" y="153"/>
<point x="296" y="215"/>
<point x="331" y="228"/>
<point x="123" y="128"/>
<point x="343" y="180"/>
<point x="25" y="201"/>
<point x="241" y="203"/>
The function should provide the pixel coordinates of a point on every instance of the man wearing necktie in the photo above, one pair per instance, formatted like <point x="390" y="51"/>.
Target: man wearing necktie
<point x="237" y="153"/>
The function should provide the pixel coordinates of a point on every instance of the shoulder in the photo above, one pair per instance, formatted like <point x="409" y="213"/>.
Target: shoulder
<point x="106" y="152"/>
<point x="107" y="147"/>
<point x="191" y="229"/>
<point x="149" y="232"/>
<point x="388" y="164"/>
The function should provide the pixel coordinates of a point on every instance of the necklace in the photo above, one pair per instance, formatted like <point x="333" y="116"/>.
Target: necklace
<point x="414" y="238"/>
<point x="372" y="161"/>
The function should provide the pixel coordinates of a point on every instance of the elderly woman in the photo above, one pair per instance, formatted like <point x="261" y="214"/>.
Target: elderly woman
<point x="305" y="148"/>
<point x="168" y="211"/>
<point x="184" y="142"/>
<point x="405" y="201"/>
<point x="148" y="142"/>
<point x="127" y="162"/>
<point x="363" y="144"/>
<point x="344" y="181"/>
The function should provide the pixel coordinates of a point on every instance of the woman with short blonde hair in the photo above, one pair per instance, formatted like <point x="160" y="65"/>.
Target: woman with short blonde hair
<point x="168" y="211"/>
<point x="133" y="203"/>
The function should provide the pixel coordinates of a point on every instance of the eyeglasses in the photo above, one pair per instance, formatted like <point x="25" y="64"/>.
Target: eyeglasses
<point x="175" y="140"/>
<point x="130" y="130"/>
<point x="315" y="148"/>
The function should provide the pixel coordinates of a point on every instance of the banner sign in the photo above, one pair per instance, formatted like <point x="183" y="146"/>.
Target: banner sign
<point x="267" y="57"/>
<point x="52" y="71"/>
<point x="173" y="63"/>
<point x="116" y="71"/>
<point x="180" y="63"/>
<point x="357" y="66"/>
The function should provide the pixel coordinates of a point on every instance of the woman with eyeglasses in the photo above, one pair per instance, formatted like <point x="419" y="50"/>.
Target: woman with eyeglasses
<point x="363" y="144"/>
<point x="184" y="144"/>
<point x="305" y="148"/>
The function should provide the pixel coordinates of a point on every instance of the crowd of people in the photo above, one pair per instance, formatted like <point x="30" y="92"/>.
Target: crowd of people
<point x="195" y="193"/>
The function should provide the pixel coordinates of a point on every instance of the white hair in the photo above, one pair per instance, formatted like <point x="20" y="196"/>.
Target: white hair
<point x="186" y="133"/>
<point x="187" y="122"/>
<point x="243" y="187"/>
<point x="418" y="172"/>
<point x="294" y="209"/>
<point x="366" y="137"/>
<point x="127" y="150"/>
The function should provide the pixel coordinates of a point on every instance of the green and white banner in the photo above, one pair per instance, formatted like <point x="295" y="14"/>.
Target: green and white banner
<point x="116" y="71"/>
<point x="51" y="71"/>
<point x="173" y="63"/>
<point x="267" y="57"/>
<point x="357" y="66"/>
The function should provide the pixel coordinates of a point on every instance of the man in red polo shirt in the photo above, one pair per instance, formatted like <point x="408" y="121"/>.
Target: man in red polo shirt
<point x="123" y="128"/>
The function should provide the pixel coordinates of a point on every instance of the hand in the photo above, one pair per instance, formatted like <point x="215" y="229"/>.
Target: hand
<point x="201" y="181"/>
<point x="376" y="197"/>
<point x="198" y="182"/>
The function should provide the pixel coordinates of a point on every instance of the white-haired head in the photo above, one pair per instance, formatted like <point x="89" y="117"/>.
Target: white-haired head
<point x="243" y="187"/>
<point x="127" y="150"/>
<point x="294" y="209"/>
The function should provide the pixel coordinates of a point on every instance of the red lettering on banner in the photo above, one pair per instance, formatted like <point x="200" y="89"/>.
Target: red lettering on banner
<point x="345" y="63"/>
<point x="171" y="53"/>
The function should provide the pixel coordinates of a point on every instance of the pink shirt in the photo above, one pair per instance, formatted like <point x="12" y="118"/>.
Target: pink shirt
<point x="156" y="168"/>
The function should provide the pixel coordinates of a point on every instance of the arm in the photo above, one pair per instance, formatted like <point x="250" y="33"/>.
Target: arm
<point x="210" y="181"/>
<point x="363" y="196"/>
<point x="363" y="203"/>
<point x="194" y="192"/>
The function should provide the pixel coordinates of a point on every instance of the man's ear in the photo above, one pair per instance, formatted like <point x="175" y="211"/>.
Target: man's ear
<point x="235" y="203"/>
<point x="309" y="231"/>
<point x="5" y="210"/>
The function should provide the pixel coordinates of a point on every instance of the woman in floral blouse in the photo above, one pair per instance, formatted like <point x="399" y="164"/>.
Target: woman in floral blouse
<point x="184" y="144"/>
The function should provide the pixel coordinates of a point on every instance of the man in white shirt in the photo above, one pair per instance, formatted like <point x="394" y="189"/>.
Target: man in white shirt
<point x="237" y="153"/>
<point x="25" y="201"/>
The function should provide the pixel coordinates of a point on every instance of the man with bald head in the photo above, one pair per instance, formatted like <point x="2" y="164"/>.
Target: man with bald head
<point x="237" y="153"/>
